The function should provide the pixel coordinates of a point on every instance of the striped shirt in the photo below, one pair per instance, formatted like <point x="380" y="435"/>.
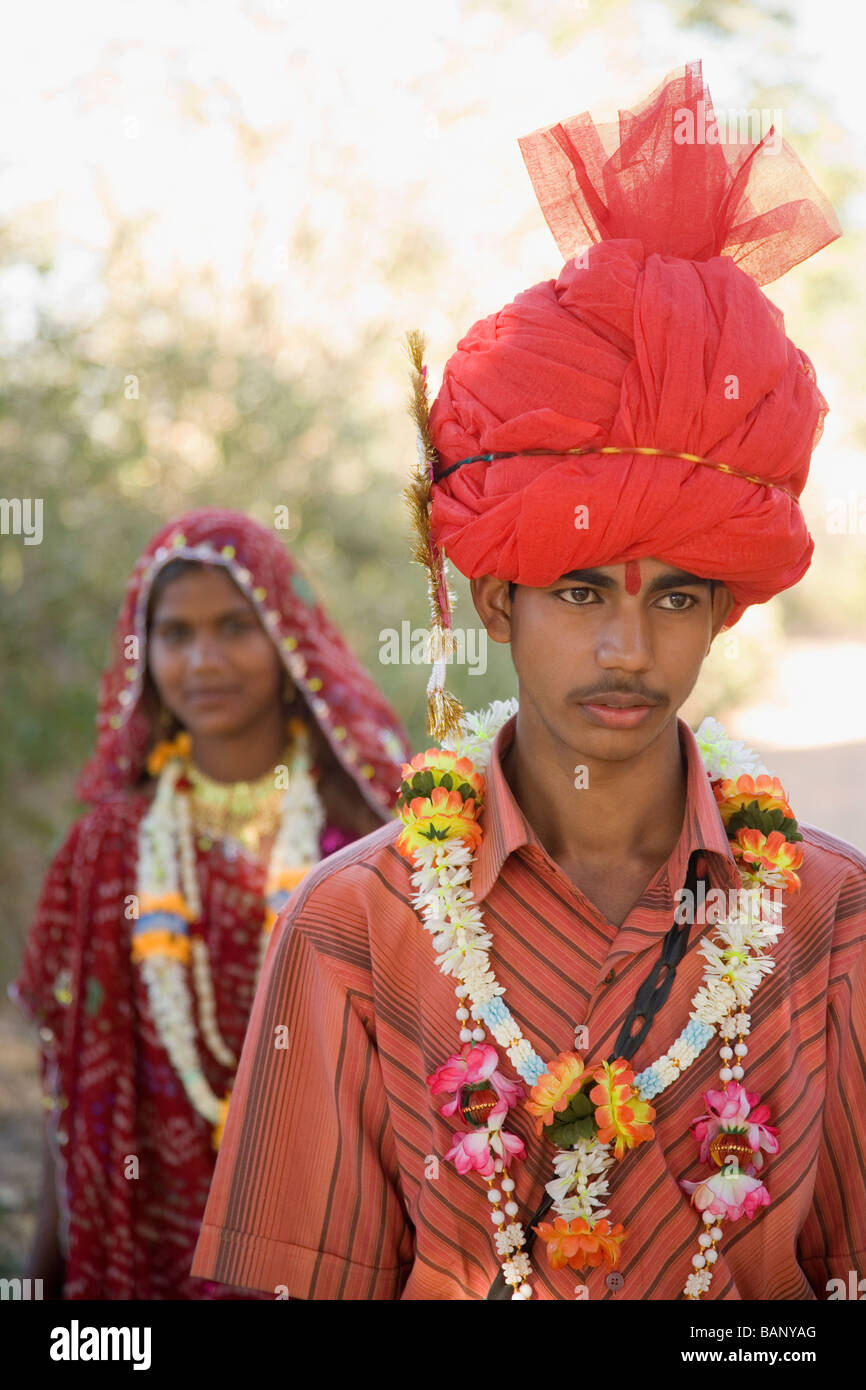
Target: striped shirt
<point x="332" y="1183"/>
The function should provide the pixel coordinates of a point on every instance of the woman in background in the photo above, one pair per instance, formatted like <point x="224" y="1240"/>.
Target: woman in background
<point x="239" y="742"/>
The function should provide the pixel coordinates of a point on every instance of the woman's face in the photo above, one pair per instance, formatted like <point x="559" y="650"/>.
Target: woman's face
<point x="212" y="662"/>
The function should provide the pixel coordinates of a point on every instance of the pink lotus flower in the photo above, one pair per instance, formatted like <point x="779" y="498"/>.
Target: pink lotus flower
<point x="728" y="1196"/>
<point x="509" y="1091"/>
<point x="480" y="1149"/>
<point x="475" y="1064"/>
<point x="735" y="1108"/>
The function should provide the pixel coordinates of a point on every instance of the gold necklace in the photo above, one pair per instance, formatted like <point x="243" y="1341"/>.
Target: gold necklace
<point x="247" y="812"/>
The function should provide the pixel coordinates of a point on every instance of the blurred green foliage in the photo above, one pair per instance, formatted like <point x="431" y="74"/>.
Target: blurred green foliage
<point x="122" y="422"/>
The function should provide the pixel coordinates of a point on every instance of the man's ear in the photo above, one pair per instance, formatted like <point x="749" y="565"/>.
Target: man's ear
<point x="493" y="605"/>
<point x="723" y="602"/>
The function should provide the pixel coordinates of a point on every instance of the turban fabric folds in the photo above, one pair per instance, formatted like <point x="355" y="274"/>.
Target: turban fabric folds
<point x="655" y="334"/>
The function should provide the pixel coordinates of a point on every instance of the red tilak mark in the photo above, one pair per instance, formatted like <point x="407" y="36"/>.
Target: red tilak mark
<point x="632" y="576"/>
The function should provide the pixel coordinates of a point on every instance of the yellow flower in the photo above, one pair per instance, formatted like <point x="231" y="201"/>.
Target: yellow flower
<point x="767" y="791"/>
<point x="620" y="1114"/>
<point x="442" y="815"/>
<point x="553" y="1091"/>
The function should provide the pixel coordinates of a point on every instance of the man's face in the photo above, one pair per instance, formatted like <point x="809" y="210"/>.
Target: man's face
<point x="634" y="633"/>
<point x="211" y="660"/>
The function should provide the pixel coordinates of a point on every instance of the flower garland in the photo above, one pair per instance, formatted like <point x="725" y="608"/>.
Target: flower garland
<point x="165" y="941"/>
<point x="595" y="1115"/>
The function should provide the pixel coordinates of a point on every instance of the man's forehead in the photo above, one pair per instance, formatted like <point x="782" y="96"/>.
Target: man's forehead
<point x="632" y="576"/>
<point x="633" y="572"/>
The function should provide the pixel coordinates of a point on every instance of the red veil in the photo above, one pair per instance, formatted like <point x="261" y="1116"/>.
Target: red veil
<point x="134" y="1160"/>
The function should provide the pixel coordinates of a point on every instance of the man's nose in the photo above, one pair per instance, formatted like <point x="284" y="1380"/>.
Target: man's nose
<point x="624" y="640"/>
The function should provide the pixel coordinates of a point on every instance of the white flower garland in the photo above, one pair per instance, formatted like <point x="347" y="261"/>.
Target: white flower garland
<point x="446" y="906"/>
<point x="167" y="884"/>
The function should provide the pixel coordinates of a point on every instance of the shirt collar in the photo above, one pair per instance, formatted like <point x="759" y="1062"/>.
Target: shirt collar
<point x="506" y="829"/>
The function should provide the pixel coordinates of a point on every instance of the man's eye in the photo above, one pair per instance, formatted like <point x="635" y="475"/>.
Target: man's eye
<point x="690" y="602"/>
<point x="568" y="595"/>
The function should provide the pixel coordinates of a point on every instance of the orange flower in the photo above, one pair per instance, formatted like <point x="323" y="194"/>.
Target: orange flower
<point x="161" y="943"/>
<point x="620" y="1113"/>
<point x="735" y="796"/>
<point x="167" y="749"/>
<point x="219" y="1127"/>
<point x="287" y="879"/>
<point x="442" y="815"/>
<point x="576" y="1243"/>
<point x="555" y="1088"/>
<point x="752" y="850"/>
<point x="174" y="904"/>
<point x="442" y="761"/>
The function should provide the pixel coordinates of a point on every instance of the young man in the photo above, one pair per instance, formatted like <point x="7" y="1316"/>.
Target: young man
<point x="515" y="1108"/>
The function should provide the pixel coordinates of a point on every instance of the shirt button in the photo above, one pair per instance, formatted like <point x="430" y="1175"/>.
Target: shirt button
<point x="610" y="977"/>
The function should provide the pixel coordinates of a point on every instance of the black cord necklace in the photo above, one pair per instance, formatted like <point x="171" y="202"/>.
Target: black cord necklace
<point x="649" y="999"/>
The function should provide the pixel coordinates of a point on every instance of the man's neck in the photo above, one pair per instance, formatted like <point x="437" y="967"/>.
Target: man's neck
<point x="628" y="812"/>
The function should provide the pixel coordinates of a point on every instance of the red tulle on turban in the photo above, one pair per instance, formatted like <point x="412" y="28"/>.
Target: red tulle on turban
<point x="657" y="335"/>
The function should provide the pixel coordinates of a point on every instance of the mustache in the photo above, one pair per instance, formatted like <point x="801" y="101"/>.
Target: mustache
<point x="593" y="692"/>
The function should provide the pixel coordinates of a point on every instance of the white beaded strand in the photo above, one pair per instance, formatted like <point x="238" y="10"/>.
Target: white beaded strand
<point x="167" y="864"/>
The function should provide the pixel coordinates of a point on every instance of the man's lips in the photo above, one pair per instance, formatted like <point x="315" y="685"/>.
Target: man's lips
<point x="618" y="699"/>
<point x="617" y="710"/>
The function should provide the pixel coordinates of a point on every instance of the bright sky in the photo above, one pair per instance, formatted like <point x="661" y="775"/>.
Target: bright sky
<point x="366" y="117"/>
<point x="429" y="97"/>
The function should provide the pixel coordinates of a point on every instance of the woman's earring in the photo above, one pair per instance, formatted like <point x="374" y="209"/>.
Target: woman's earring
<point x="289" y="688"/>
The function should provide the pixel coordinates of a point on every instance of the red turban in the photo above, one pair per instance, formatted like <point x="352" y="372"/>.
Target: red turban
<point x="657" y="336"/>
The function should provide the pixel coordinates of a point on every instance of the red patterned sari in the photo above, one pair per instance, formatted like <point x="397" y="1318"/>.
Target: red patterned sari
<point x="134" y="1159"/>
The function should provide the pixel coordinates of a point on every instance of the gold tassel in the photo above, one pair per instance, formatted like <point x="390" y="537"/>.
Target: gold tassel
<point x="444" y="712"/>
